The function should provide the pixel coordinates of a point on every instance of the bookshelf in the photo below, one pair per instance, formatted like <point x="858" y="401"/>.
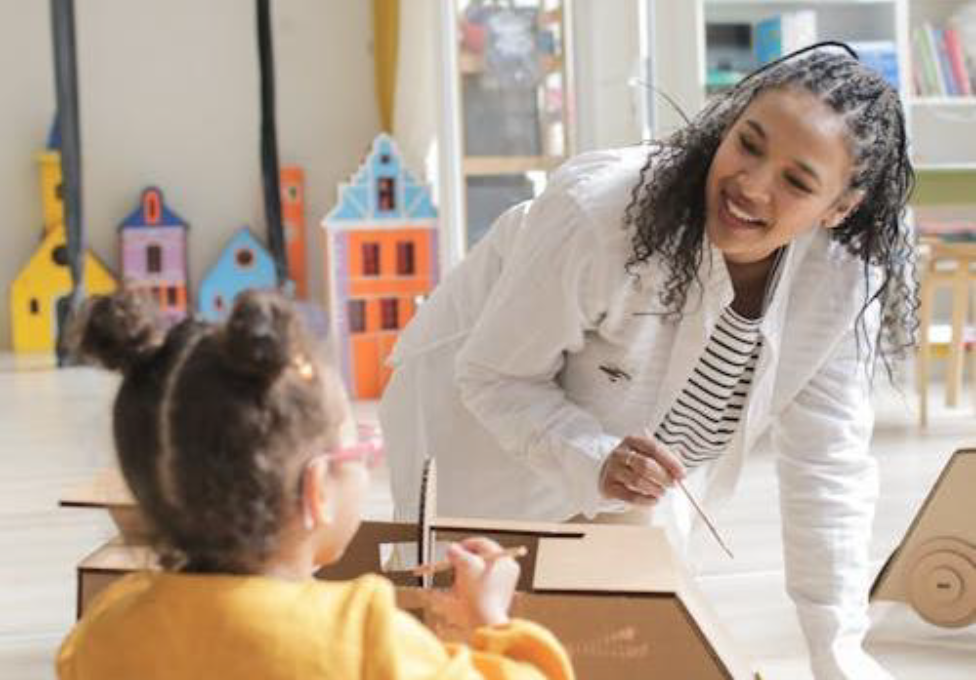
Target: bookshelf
<point x="508" y="77"/>
<point x="941" y="124"/>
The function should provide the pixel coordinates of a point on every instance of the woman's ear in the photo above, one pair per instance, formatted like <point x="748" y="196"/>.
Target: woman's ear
<point x="842" y="207"/>
<point x="315" y="494"/>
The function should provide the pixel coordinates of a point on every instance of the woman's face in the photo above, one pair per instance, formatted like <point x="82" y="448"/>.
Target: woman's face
<point x="781" y="170"/>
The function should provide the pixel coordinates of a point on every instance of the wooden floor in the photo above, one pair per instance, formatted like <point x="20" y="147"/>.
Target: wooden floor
<point x="54" y="433"/>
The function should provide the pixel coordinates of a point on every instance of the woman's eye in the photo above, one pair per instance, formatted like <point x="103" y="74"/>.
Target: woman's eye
<point x="797" y="184"/>
<point x="748" y="146"/>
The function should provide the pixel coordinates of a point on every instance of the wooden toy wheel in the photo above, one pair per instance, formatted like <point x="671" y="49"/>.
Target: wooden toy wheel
<point x="942" y="582"/>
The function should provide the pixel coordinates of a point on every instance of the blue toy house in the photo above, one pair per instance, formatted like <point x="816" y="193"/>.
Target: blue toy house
<point x="243" y="265"/>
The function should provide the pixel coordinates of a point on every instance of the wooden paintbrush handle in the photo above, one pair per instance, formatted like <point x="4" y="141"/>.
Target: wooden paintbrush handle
<point x="445" y="565"/>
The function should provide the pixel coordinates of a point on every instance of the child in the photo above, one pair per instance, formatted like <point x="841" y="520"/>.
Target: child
<point x="229" y="439"/>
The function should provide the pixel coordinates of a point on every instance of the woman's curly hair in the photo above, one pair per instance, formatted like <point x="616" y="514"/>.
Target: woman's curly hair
<point x="667" y="210"/>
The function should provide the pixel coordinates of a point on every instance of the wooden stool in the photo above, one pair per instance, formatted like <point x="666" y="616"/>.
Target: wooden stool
<point x="945" y="264"/>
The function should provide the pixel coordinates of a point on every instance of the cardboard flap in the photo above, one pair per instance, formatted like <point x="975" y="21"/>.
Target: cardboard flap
<point x="107" y="489"/>
<point x="363" y="555"/>
<point x="947" y="511"/>
<point x="608" y="558"/>
<point x="710" y="628"/>
<point x="459" y="525"/>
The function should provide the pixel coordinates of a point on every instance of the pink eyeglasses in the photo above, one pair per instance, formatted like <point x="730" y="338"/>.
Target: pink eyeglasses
<point x="368" y="448"/>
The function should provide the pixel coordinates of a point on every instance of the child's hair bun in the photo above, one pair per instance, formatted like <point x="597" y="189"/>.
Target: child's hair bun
<point x="117" y="331"/>
<point x="263" y="335"/>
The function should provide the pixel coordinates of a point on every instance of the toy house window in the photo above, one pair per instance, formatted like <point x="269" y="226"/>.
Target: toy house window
<point x="59" y="191"/>
<point x="292" y="193"/>
<point x="154" y="259"/>
<point x="389" y="317"/>
<point x="371" y="259"/>
<point x="152" y="208"/>
<point x="386" y="194"/>
<point x="405" y="258"/>
<point x="35" y="307"/>
<point x="357" y="316"/>
<point x="60" y="256"/>
<point x="244" y="258"/>
<point x="219" y="303"/>
<point x="171" y="296"/>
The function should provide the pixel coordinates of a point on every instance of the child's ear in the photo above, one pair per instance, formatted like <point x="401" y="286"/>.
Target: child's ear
<point x="315" y="494"/>
<point x="842" y="207"/>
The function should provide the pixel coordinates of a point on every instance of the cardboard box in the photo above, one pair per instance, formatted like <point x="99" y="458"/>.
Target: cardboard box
<point x="934" y="567"/>
<point x="616" y="596"/>
<point x="108" y="491"/>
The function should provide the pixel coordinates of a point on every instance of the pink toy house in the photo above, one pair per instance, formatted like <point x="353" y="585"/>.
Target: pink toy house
<point x="153" y="244"/>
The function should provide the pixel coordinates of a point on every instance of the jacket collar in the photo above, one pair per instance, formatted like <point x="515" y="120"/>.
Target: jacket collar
<point x="718" y="293"/>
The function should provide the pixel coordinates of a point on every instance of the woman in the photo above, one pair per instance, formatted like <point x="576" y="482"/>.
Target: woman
<point x="657" y="309"/>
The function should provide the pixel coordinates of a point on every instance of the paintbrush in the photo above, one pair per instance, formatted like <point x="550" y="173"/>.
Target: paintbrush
<point x="698" y="508"/>
<point x="433" y="568"/>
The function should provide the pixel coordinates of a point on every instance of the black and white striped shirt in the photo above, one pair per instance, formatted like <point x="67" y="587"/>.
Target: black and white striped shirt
<point x="704" y="417"/>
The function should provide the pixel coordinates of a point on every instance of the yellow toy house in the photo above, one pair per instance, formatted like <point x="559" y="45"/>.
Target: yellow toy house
<point x="46" y="280"/>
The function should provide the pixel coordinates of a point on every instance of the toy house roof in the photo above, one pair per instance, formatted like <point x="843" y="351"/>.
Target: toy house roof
<point x="141" y="217"/>
<point x="54" y="136"/>
<point x="243" y="237"/>
<point x="358" y="198"/>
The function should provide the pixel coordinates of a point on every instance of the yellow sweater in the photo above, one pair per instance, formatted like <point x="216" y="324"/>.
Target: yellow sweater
<point x="178" y="626"/>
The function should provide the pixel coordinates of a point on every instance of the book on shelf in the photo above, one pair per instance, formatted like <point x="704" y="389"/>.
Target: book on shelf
<point x="940" y="68"/>
<point x="784" y="33"/>
<point x="957" y="61"/>
<point x="880" y="55"/>
<point x="945" y="67"/>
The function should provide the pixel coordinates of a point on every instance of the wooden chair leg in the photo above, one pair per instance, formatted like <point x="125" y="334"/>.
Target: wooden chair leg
<point x="957" y="349"/>
<point x="923" y="356"/>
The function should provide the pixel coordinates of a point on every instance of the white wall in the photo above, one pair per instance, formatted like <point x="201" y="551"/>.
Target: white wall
<point x="169" y="96"/>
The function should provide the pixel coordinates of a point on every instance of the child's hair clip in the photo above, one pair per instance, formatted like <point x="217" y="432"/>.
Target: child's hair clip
<point x="304" y="367"/>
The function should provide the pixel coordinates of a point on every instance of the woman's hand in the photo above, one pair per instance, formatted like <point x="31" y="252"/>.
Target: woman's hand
<point x="483" y="585"/>
<point x="639" y="471"/>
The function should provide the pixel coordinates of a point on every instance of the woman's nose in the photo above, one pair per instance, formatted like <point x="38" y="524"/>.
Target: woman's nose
<point x="754" y="186"/>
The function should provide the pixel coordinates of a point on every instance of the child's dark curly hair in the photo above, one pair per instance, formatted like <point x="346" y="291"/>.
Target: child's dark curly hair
<point x="213" y="424"/>
<point x="667" y="211"/>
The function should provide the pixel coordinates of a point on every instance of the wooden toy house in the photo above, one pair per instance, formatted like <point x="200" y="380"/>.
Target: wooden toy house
<point x="153" y="246"/>
<point x="293" y="221"/>
<point x="381" y="256"/>
<point x="44" y="284"/>
<point x="244" y="264"/>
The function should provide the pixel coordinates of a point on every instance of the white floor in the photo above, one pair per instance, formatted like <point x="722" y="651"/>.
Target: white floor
<point x="54" y="432"/>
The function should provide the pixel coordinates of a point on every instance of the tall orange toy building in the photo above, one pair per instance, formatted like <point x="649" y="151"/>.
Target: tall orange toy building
<point x="381" y="255"/>
<point x="293" y="220"/>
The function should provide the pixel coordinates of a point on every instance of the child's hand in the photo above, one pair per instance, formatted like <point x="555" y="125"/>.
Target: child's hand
<point x="483" y="586"/>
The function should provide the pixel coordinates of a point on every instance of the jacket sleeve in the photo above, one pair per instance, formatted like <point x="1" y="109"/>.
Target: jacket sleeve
<point x="828" y="489"/>
<point x="401" y="648"/>
<point x="554" y="286"/>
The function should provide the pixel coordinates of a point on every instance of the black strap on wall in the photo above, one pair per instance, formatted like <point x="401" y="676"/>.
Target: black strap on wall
<point x="269" y="145"/>
<point x="66" y="84"/>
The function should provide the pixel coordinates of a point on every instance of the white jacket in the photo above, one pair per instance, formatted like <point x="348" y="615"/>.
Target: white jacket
<point x="498" y="377"/>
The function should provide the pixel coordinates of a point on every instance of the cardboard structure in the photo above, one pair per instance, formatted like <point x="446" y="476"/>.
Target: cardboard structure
<point x="616" y="596"/>
<point x="934" y="567"/>
<point x="381" y="260"/>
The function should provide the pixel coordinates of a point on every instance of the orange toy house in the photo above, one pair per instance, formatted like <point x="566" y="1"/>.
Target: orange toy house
<point x="381" y="255"/>
<point x="293" y="220"/>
